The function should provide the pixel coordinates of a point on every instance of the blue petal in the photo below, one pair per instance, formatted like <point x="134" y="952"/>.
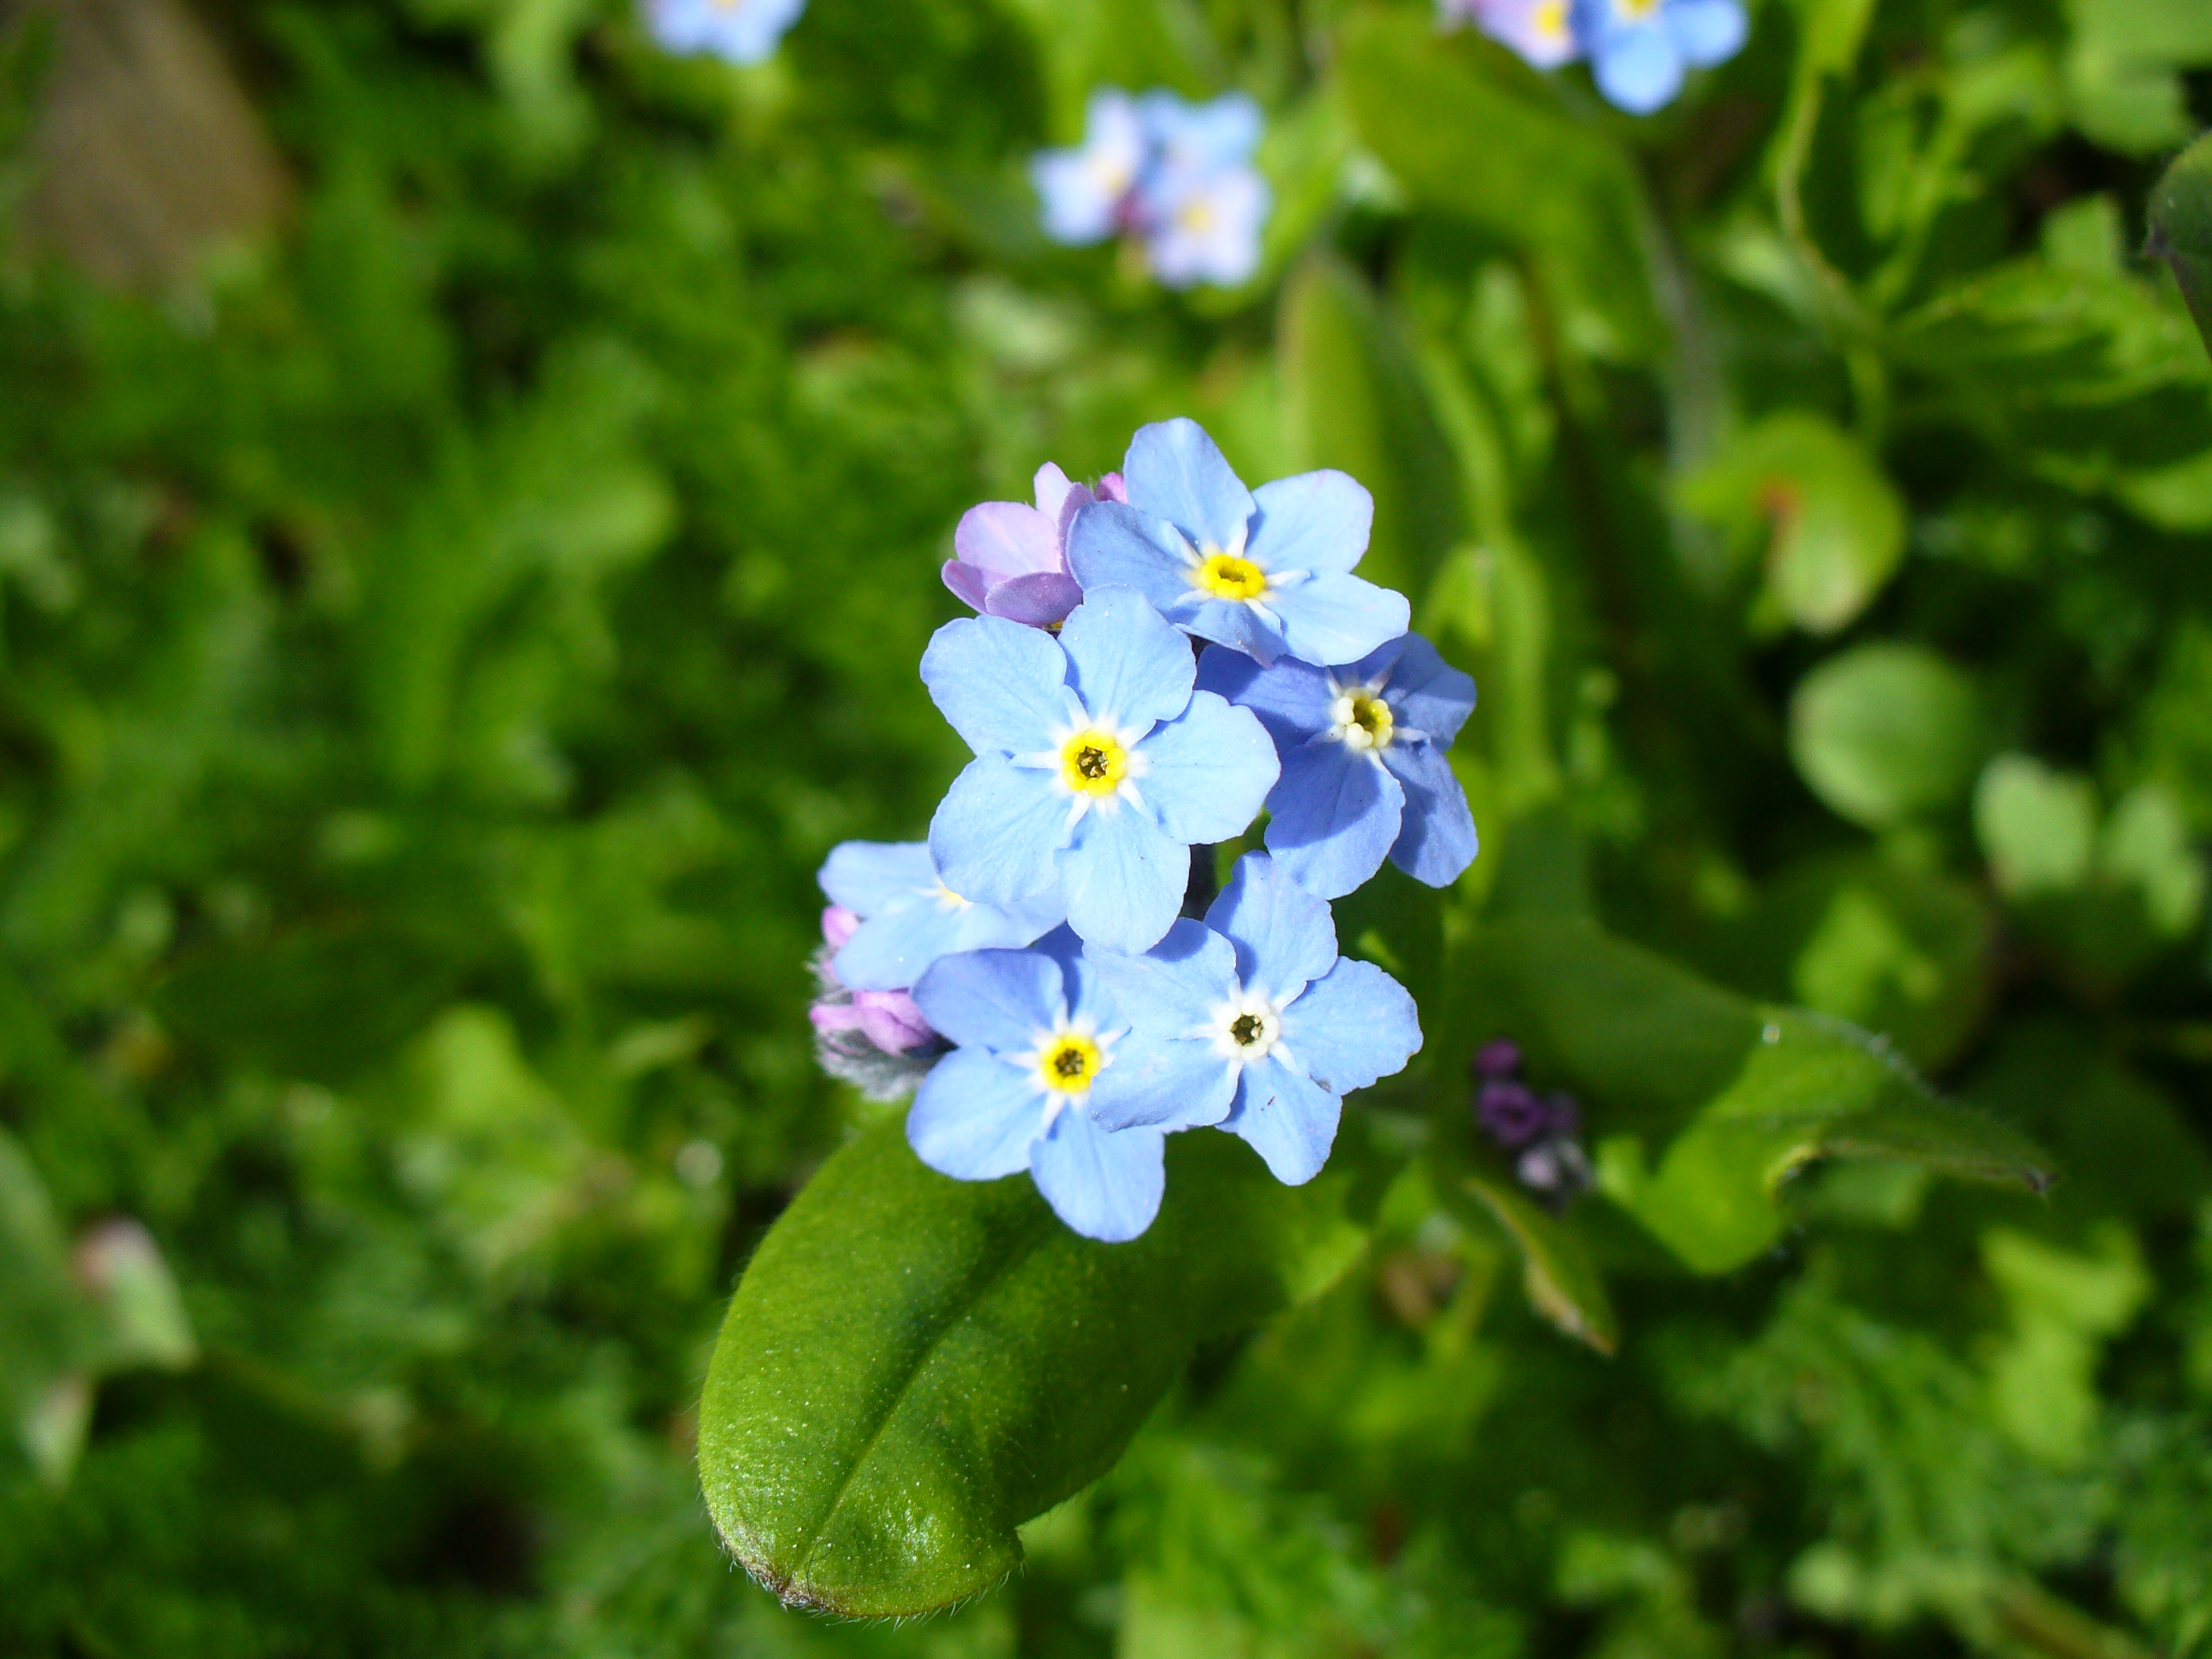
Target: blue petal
<point x="1002" y="686"/>
<point x="865" y="876"/>
<point x="1125" y="878"/>
<point x="1209" y="772"/>
<point x="1126" y="661"/>
<point x="1284" y="935"/>
<point x="1291" y="698"/>
<point x="888" y="951"/>
<point x="1175" y="472"/>
<point x="1425" y="691"/>
<point x="1169" y="1083"/>
<point x="1104" y="1186"/>
<point x="1216" y="134"/>
<point x="1707" y="30"/>
<point x="1234" y="624"/>
<point x="1334" y="617"/>
<point x="1437" y="840"/>
<point x="1112" y="544"/>
<point x="1640" y="70"/>
<point x="996" y="830"/>
<point x="1168" y="991"/>
<point x="975" y="1117"/>
<point x="1289" y="1120"/>
<point x="1352" y="1026"/>
<point x="1316" y="521"/>
<point x="994" y="999"/>
<point x="1335" y="818"/>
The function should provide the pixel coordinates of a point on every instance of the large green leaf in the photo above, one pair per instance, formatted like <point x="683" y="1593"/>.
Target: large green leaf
<point x="1743" y="1095"/>
<point x="1886" y="732"/>
<point x="913" y="1365"/>
<point x="2181" y="228"/>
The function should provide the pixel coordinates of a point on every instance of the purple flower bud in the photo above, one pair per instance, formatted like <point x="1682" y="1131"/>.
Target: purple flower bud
<point x="1500" y="1059"/>
<point x="1555" y="1168"/>
<point x="838" y="924"/>
<point x="1013" y="559"/>
<point x="1511" y="1113"/>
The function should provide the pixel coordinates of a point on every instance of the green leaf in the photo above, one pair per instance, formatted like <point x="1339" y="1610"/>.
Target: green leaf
<point x="1749" y="1094"/>
<point x="1561" y="1282"/>
<point x="913" y="1365"/>
<point x="1885" y="733"/>
<point x="1353" y="400"/>
<point x="1834" y="523"/>
<point x="2181" y="228"/>
<point x="2038" y="826"/>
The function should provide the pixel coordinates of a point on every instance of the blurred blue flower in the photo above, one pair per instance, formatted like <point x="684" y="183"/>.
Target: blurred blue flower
<point x="907" y="917"/>
<point x="1013" y="559"/>
<point x="1541" y="31"/>
<point x="1175" y="176"/>
<point x="1034" y="1031"/>
<point x="1641" y="49"/>
<point x="1097" y="766"/>
<point x="1250" y="1020"/>
<point x="742" y="31"/>
<point x="1365" y="775"/>
<point x="1268" y="571"/>
<point x="1088" y="191"/>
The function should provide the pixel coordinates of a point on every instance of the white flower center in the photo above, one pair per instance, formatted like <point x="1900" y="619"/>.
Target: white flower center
<point x="1247" y="1028"/>
<point x="1360" y="720"/>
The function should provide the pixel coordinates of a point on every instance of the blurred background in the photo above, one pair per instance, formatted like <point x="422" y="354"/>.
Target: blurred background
<point x="472" y="481"/>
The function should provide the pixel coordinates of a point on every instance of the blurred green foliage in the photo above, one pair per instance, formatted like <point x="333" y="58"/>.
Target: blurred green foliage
<point x="439" y="641"/>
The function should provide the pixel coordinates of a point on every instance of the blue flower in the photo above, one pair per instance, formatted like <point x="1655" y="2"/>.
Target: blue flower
<point x="1541" y="31"/>
<point x="742" y="31"/>
<point x="1202" y="224"/>
<point x="1036" y="1030"/>
<point x="1220" y="134"/>
<point x="1641" y="49"/>
<point x="1268" y="571"/>
<point x="1098" y="767"/>
<point x="1365" y="775"/>
<point x="1087" y="190"/>
<point x="1250" y="1020"/>
<point x="909" y="917"/>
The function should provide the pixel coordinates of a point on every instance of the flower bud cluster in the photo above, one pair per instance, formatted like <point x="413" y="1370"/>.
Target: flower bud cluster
<point x="1541" y="1131"/>
<point x="1158" y="659"/>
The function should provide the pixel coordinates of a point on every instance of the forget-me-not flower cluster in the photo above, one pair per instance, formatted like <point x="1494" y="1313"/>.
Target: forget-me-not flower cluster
<point x="1158" y="659"/>
<point x="1640" y="51"/>
<point x="1176" y="179"/>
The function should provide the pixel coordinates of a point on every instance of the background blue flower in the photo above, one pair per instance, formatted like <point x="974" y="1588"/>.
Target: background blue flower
<point x="909" y="917"/>
<point x="1268" y="572"/>
<point x="1087" y="189"/>
<point x="1641" y="49"/>
<point x="742" y="31"/>
<point x="1097" y="765"/>
<point x="1365" y="775"/>
<point x="1036" y="1030"/>
<point x="1252" y="1021"/>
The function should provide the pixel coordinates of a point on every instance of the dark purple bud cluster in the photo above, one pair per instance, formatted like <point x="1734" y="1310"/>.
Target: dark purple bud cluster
<point x="1541" y="1128"/>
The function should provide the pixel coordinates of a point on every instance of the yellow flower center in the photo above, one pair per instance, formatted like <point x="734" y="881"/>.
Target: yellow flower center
<point x="1635" y="9"/>
<point x="1550" y="19"/>
<point x="1229" y="576"/>
<point x="1068" y="1063"/>
<point x="1093" y="762"/>
<point x="1364" y="720"/>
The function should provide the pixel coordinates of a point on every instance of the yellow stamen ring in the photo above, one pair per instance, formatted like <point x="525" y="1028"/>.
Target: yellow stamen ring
<point x="1093" y="762"/>
<point x="1363" y="720"/>
<point x="1229" y="576"/>
<point x="1068" y="1063"/>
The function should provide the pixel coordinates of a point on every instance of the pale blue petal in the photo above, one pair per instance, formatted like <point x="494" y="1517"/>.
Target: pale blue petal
<point x="1425" y="691"/>
<point x="865" y="876"/>
<point x="1209" y="772"/>
<point x="1232" y="623"/>
<point x="1334" y="617"/>
<point x="1291" y="698"/>
<point x="1168" y="991"/>
<point x="1125" y="878"/>
<point x="975" y="1117"/>
<point x="1284" y="935"/>
<point x="1104" y="1186"/>
<point x="1000" y="683"/>
<point x="1315" y="521"/>
<point x="1176" y="471"/>
<point x="1640" y="70"/>
<point x="1168" y="1083"/>
<point x="1335" y="818"/>
<point x="995" y="1000"/>
<point x="888" y="951"/>
<point x="1352" y="1026"/>
<point x="1437" y="840"/>
<point x="1707" y="30"/>
<point x="1289" y="1120"/>
<point x="1110" y="543"/>
<point x="1126" y="661"/>
<point x="1088" y="997"/>
<point x="996" y="830"/>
